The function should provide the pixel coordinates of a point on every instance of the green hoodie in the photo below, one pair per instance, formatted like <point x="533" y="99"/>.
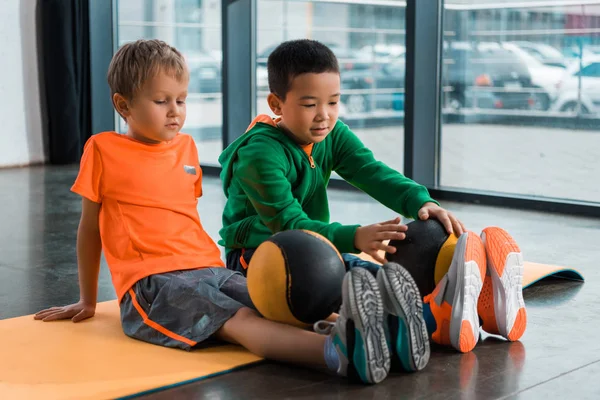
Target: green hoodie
<point x="272" y="185"/>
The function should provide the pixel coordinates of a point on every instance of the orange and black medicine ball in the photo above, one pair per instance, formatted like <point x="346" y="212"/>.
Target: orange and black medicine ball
<point x="295" y="277"/>
<point x="426" y="253"/>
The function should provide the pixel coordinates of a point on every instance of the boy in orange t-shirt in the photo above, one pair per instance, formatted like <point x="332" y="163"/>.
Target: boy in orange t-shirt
<point x="140" y="194"/>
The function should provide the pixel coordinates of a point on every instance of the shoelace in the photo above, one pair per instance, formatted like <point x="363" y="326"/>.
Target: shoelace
<point x="323" y="327"/>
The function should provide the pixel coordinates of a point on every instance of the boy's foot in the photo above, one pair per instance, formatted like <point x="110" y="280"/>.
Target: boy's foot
<point x="358" y="334"/>
<point x="453" y="302"/>
<point x="403" y="310"/>
<point x="501" y="305"/>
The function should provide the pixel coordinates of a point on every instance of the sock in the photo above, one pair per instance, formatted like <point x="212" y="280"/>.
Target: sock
<point x="429" y="319"/>
<point x="331" y="356"/>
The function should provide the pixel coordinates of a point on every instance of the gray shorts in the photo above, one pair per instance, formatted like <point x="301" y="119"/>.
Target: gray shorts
<point x="183" y="308"/>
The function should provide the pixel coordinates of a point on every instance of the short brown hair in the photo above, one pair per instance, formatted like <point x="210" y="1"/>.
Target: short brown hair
<point x="137" y="62"/>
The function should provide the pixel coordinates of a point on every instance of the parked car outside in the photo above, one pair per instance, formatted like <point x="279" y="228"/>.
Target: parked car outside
<point x="381" y="87"/>
<point x="546" y="54"/>
<point x="205" y="74"/>
<point x="543" y="77"/>
<point x="573" y="100"/>
<point x="488" y="78"/>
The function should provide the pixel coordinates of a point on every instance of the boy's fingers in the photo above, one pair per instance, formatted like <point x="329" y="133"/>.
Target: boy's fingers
<point x="458" y="228"/>
<point x="51" y="309"/>
<point x="45" y="313"/>
<point x="41" y="316"/>
<point x="377" y="257"/>
<point x="381" y="236"/>
<point x="392" y="221"/>
<point x="392" y="228"/>
<point x="78" y="317"/>
<point x="387" y="249"/>
<point x="52" y="317"/>
<point x="445" y="220"/>
<point x="57" y="316"/>
<point x="81" y="316"/>
<point x="402" y="228"/>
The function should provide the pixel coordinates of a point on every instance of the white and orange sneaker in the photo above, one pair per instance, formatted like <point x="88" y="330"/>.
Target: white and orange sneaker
<point x="501" y="305"/>
<point x="453" y="302"/>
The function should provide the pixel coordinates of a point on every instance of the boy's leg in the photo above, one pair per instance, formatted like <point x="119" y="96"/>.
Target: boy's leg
<point x="501" y="305"/>
<point x="355" y="345"/>
<point x="273" y="340"/>
<point x="180" y="309"/>
<point x="453" y="303"/>
<point x="353" y="261"/>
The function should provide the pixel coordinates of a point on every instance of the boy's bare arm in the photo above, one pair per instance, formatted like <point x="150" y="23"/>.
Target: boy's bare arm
<point x="89" y="248"/>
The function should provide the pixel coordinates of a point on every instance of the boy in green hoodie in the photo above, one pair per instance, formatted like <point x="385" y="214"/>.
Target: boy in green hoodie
<point x="275" y="178"/>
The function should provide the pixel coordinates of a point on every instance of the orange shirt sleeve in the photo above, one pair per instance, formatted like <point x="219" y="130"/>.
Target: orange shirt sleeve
<point x="88" y="182"/>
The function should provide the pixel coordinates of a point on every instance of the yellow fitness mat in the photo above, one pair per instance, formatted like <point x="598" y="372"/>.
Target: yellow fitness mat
<point x="94" y="359"/>
<point x="533" y="272"/>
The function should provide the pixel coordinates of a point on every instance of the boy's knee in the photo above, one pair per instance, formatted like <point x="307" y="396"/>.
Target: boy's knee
<point x="246" y="313"/>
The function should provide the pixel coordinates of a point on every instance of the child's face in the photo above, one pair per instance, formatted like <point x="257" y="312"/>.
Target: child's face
<point x="311" y="106"/>
<point x="158" y="111"/>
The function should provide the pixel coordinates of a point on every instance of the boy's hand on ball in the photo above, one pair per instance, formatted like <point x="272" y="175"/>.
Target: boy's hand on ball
<point x="450" y="222"/>
<point x="370" y="239"/>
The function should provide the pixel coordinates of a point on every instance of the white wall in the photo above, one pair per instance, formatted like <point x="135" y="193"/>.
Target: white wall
<point x="20" y="116"/>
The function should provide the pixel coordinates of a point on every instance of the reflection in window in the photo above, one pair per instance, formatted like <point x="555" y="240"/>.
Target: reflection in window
<point x="521" y="98"/>
<point x="194" y="28"/>
<point x="369" y="42"/>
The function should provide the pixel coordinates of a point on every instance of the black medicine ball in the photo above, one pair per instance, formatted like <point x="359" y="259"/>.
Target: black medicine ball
<point x="295" y="277"/>
<point x="427" y="247"/>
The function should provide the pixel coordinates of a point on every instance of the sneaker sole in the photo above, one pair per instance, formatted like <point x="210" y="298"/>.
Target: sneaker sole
<point x="464" y="323"/>
<point x="371" y="356"/>
<point x="507" y="286"/>
<point x="412" y="343"/>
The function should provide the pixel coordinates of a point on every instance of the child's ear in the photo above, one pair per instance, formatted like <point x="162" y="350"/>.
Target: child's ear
<point x="121" y="105"/>
<point x="274" y="103"/>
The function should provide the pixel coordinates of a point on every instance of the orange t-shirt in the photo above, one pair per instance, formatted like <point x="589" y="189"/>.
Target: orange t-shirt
<point x="148" y="220"/>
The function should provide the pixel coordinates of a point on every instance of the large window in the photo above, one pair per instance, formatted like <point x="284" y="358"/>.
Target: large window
<point x="519" y="86"/>
<point x="194" y="27"/>
<point x="369" y="42"/>
<point x="521" y="98"/>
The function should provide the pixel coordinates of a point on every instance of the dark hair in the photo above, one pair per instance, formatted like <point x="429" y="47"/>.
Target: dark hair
<point x="296" y="57"/>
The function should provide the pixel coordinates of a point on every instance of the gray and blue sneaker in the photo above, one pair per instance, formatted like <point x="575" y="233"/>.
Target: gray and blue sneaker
<point x="358" y="334"/>
<point x="408" y="337"/>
